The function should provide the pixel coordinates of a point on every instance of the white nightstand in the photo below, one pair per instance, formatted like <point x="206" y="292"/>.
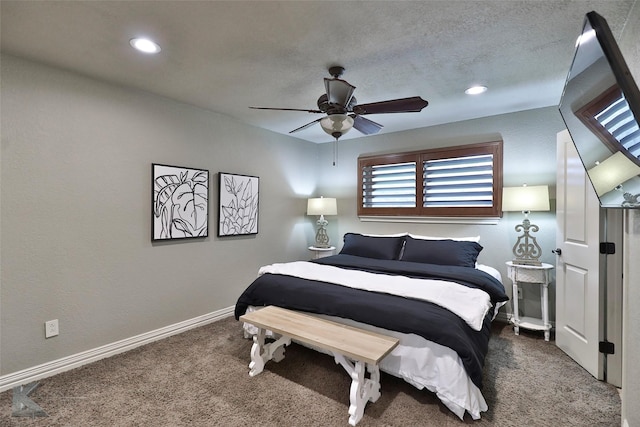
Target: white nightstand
<point x="322" y="252"/>
<point x="523" y="274"/>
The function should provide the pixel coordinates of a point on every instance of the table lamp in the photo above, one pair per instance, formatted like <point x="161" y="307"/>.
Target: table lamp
<point x="322" y="206"/>
<point x="526" y="199"/>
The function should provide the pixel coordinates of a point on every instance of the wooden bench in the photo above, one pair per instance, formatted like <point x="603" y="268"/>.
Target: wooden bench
<point x="352" y="348"/>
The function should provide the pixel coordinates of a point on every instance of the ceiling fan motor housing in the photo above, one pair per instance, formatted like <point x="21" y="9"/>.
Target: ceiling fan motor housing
<point x="336" y="71"/>
<point x="326" y="107"/>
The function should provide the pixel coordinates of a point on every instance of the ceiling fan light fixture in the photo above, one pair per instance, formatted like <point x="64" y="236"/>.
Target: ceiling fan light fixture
<point x="336" y="124"/>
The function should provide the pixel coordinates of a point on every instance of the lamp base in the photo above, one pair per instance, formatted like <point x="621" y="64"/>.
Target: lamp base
<point x="527" y="251"/>
<point x="322" y="238"/>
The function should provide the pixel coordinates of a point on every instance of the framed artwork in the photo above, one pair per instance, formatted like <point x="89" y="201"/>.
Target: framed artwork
<point x="180" y="202"/>
<point x="238" y="213"/>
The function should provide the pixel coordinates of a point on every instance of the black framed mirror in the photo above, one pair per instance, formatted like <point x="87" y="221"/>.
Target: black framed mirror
<point x="600" y="106"/>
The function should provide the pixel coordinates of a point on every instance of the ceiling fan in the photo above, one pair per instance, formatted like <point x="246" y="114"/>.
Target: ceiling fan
<point x="343" y="112"/>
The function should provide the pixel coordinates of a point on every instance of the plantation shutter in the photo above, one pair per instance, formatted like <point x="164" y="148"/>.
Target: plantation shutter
<point x="618" y="120"/>
<point x="389" y="186"/>
<point x="458" y="182"/>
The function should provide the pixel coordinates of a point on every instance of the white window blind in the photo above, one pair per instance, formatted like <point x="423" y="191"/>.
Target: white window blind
<point x="618" y="120"/>
<point x="389" y="186"/>
<point x="458" y="182"/>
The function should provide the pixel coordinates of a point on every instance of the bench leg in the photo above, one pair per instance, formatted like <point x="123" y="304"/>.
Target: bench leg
<point x="362" y="389"/>
<point x="261" y="353"/>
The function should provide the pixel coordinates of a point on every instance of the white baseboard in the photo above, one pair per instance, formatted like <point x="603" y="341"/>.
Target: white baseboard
<point x="54" y="367"/>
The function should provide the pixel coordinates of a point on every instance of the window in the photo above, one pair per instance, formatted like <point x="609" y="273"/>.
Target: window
<point x="453" y="181"/>
<point x="609" y="117"/>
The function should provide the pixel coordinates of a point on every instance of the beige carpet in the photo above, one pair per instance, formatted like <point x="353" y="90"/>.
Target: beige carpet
<point x="199" y="378"/>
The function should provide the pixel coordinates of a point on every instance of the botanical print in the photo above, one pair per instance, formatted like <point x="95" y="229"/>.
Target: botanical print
<point x="238" y="205"/>
<point x="180" y="202"/>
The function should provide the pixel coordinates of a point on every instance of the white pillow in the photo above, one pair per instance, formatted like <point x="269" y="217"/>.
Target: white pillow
<point x="461" y="239"/>
<point x="385" y="235"/>
<point x="490" y="270"/>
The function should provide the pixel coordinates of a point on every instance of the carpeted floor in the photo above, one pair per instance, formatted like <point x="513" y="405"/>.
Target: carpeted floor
<point x="199" y="378"/>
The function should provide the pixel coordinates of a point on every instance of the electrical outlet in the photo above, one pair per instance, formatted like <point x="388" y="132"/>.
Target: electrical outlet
<point x="51" y="328"/>
<point x="519" y="293"/>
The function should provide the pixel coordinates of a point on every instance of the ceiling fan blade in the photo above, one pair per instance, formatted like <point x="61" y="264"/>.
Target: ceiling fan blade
<point x="338" y="91"/>
<point x="414" y="104"/>
<point x="366" y="126"/>
<point x="307" y="125"/>
<point x="286" y="109"/>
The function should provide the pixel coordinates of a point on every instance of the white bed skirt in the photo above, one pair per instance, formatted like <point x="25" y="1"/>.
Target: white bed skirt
<point x="423" y="364"/>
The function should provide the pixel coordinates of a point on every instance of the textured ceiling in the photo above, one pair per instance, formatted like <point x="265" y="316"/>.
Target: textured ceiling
<point x="227" y="56"/>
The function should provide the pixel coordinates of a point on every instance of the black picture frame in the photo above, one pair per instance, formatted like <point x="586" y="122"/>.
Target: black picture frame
<point x="179" y="202"/>
<point x="238" y="211"/>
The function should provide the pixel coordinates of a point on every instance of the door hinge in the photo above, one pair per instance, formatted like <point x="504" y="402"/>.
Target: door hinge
<point x="607" y="248"/>
<point x="606" y="347"/>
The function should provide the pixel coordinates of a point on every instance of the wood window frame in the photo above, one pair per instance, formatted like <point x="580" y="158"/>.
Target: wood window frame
<point x="494" y="148"/>
<point x="587" y="114"/>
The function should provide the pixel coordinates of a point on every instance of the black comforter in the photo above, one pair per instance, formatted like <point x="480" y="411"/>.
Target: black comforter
<point x="386" y="311"/>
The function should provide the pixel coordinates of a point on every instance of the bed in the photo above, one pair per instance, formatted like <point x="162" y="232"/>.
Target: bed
<point x="430" y="293"/>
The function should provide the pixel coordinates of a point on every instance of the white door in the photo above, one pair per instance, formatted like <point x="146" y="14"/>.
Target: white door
<point x="578" y="313"/>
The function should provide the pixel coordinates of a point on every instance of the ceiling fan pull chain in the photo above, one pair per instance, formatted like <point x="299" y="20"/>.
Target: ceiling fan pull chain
<point x="335" y="152"/>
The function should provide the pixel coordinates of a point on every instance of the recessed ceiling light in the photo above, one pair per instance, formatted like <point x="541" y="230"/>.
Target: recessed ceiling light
<point x="475" y="90"/>
<point x="144" y="45"/>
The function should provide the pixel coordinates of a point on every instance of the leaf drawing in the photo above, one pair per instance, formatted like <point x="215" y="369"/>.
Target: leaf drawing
<point x="180" y="203"/>
<point x="240" y="213"/>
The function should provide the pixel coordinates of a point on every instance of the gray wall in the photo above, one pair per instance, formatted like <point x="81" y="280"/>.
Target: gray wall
<point x="75" y="218"/>
<point x="529" y="157"/>
<point x="75" y="208"/>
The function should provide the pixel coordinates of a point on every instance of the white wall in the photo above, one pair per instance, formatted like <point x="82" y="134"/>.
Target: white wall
<point x="76" y="210"/>
<point x="631" y="323"/>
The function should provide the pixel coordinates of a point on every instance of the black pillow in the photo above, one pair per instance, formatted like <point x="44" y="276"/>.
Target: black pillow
<point x="443" y="252"/>
<point x="372" y="246"/>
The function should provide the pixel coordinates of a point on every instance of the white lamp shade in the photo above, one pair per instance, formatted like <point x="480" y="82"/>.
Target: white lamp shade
<point x="336" y="123"/>
<point x="322" y="206"/>
<point x="526" y="198"/>
<point x="612" y="172"/>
